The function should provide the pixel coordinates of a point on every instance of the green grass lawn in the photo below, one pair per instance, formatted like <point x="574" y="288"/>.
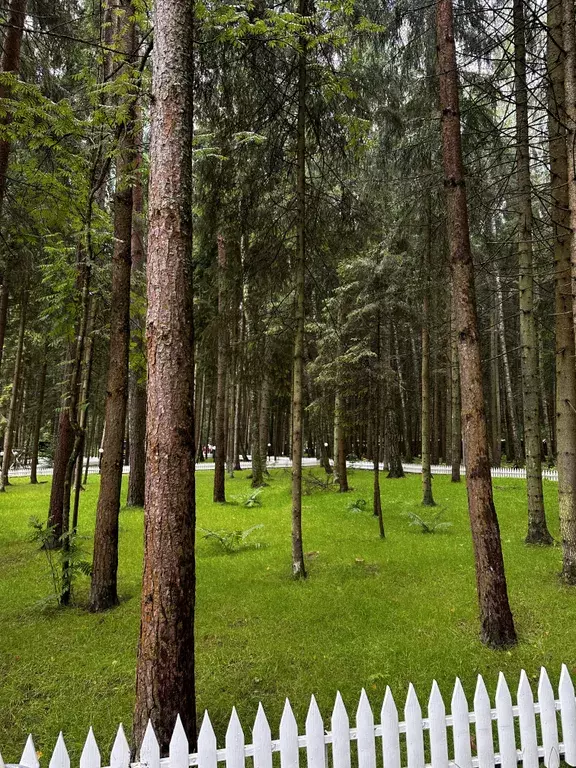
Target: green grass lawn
<point x="372" y="613"/>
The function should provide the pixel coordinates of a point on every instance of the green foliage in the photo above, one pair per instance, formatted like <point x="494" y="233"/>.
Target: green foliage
<point x="432" y="525"/>
<point x="251" y="500"/>
<point x="357" y="506"/>
<point x="312" y="483"/>
<point x="233" y="541"/>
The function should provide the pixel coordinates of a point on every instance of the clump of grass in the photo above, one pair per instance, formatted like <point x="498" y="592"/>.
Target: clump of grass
<point x="359" y="505"/>
<point x="233" y="541"/>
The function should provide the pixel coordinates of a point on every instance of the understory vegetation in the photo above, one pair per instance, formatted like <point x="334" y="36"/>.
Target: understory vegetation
<point x="375" y="612"/>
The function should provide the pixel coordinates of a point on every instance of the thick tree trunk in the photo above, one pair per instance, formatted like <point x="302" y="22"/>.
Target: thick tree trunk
<point x="497" y="625"/>
<point x="38" y="417"/>
<point x="12" y="409"/>
<point x="220" y="436"/>
<point x="537" y="529"/>
<point x="564" y="244"/>
<point x="104" y="587"/>
<point x="298" y="567"/>
<point x="427" y="497"/>
<point x="165" y="668"/>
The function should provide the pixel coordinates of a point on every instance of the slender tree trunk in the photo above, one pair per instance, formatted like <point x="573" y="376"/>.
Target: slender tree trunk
<point x="495" y="410"/>
<point x="4" y="297"/>
<point x="38" y="417"/>
<point x="298" y="567"/>
<point x="544" y="402"/>
<point x="104" y="587"/>
<point x="376" y="402"/>
<point x="220" y="436"/>
<point x="497" y="624"/>
<point x="402" y="393"/>
<point x="427" y="497"/>
<point x="12" y="409"/>
<point x="341" y="472"/>
<point x="562" y="213"/>
<point x="456" y="411"/>
<point x="165" y="668"/>
<point x="537" y="529"/>
<point x="137" y="422"/>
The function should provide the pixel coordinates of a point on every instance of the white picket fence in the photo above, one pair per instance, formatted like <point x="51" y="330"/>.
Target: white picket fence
<point x="438" y="740"/>
<point x="283" y="461"/>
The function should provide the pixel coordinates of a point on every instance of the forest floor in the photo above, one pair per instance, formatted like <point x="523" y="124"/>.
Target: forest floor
<point x="372" y="613"/>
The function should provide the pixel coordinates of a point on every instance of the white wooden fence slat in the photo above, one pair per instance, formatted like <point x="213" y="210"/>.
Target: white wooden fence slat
<point x="29" y="757"/>
<point x="315" y="752"/>
<point x="234" y="742"/>
<point x="461" y="727"/>
<point x="120" y="754"/>
<point x="289" y="747"/>
<point x="178" y="748"/>
<point x="262" y="740"/>
<point x="2" y="763"/>
<point x="527" y="718"/>
<point x="390" y="734"/>
<point x="207" y="757"/>
<point x="150" y="749"/>
<point x="365" y="731"/>
<point x="567" y="715"/>
<point x="548" y="721"/>
<point x="90" y="757"/>
<point x="60" y="757"/>
<point x="506" y="738"/>
<point x="340" y="727"/>
<point x="438" y="736"/>
<point x="484" y="741"/>
<point x="414" y="733"/>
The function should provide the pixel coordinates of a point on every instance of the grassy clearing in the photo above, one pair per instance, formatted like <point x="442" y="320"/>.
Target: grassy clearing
<point x="373" y="613"/>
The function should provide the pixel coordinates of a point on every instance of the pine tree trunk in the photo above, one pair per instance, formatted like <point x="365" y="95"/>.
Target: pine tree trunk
<point x="341" y="473"/>
<point x="298" y="567"/>
<point x="402" y="393"/>
<point x="104" y="587"/>
<point x="4" y="297"/>
<point x="497" y="625"/>
<point x="12" y="409"/>
<point x="376" y="402"/>
<point x="537" y="529"/>
<point x="456" y="421"/>
<point x="165" y="668"/>
<point x="220" y="436"/>
<point x="564" y="243"/>
<point x="495" y="410"/>
<point x="427" y="497"/>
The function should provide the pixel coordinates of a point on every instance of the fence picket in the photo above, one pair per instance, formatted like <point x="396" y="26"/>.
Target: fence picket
<point x="365" y="731"/>
<point x="178" y="746"/>
<point x="438" y="736"/>
<point x="29" y="757"/>
<point x="484" y="742"/>
<point x="505" y="720"/>
<point x="340" y="726"/>
<point x="207" y="757"/>
<point x="567" y="715"/>
<point x="527" y="718"/>
<point x="548" y="721"/>
<point x="262" y="740"/>
<point x="414" y="733"/>
<point x="390" y="733"/>
<point x="289" y="748"/>
<point x="461" y="727"/>
<point x="120" y="755"/>
<point x="150" y="749"/>
<point x="90" y="757"/>
<point x="315" y="751"/>
<point x="60" y="757"/>
<point x="234" y="742"/>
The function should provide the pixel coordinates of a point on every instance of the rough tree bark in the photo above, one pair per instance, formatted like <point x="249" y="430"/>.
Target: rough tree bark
<point x="456" y="410"/>
<point x="497" y="624"/>
<point x="165" y="667"/>
<point x="538" y="532"/>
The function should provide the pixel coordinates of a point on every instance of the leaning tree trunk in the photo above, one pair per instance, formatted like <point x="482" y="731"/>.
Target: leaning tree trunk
<point x="104" y="586"/>
<point x="12" y="409"/>
<point x="537" y="529"/>
<point x="165" y="668"/>
<point x="220" y="436"/>
<point x="497" y="624"/>
<point x="298" y="567"/>
<point x="563" y="215"/>
<point x="427" y="497"/>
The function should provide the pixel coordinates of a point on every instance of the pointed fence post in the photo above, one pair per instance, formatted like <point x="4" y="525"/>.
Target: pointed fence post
<point x="484" y="741"/>
<point x="120" y="755"/>
<point x="461" y="727"/>
<point x="548" y="721"/>
<point x="207" y="757"/>
<point x="289" y="747"/>
<point x="390" y="732"/>
<point x="438" y="735"/>
<point x="365" y="733"/>
<point x="567" y="715"/>
<point x="60" y="757"/>
<point x="414" y="733"/>
<point x="90" y="757"/>
<point x="262" y="740"/>
<point x="235" y="742"/>
<point x="178" y="748"/>
<point x="506" y="738"/>
<point x="315" y="745"/>
<point x="150" y="749"/>
<point x="527" y="719"/>
<point x="29" y="757"/>
<point x="340" y="726"/>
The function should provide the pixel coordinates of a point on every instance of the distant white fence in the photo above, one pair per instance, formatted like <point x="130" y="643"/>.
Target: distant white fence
<point x="284" y="461"/>
<point x="524" y="732"/>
